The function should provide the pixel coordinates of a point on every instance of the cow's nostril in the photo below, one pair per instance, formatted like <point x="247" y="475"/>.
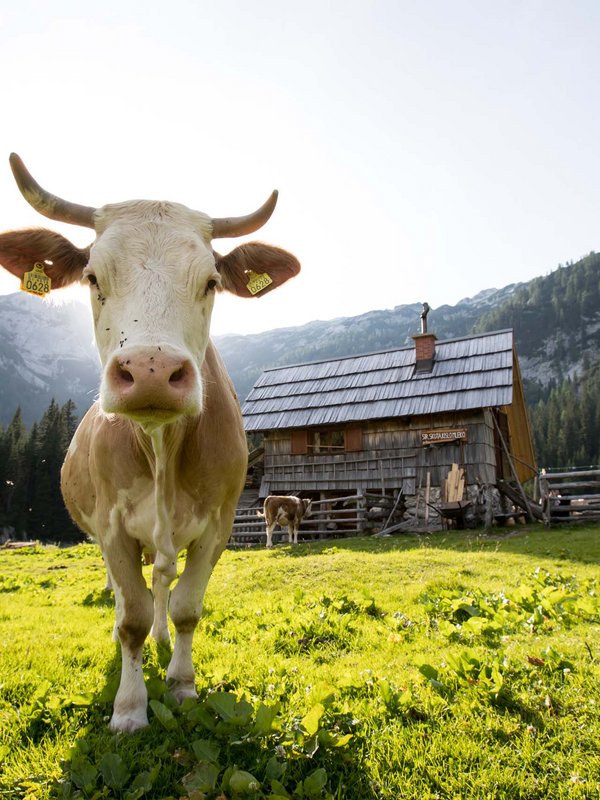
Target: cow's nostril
<point x="125" y="375"/>
<point x="177" y="376"/>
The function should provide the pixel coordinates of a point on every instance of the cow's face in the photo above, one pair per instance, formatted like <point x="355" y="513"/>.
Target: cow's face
<point x="153" y="280"/>
<point x="153" y="276"/>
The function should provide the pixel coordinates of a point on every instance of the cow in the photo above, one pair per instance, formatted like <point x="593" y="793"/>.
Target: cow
<point x="283" y="510"/>
<point x="158" y="462"/>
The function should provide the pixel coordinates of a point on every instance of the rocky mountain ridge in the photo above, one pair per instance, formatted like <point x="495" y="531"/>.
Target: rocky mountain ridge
<point x="47" y="350"/>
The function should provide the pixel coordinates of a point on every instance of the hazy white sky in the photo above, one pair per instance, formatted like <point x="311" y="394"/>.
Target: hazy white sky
<point x="423" y="150"/>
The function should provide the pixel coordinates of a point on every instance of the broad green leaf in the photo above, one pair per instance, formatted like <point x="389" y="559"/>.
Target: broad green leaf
<point x="315" y="783"/>
<point x="205" y="750"/>
<point x="310" y="723"/>
<point x="279" y="789"/>
<point x="113" y="770"/>
<point x="243" y="782"/>
<point x="83" y="772"/>
<point x="223" y="703"/>
<point x="202" y="778"/>
<point x="200" y="715"/>
<point x="164" y="715"/>
<point x="275" y="769"/>
<point x="265" y="717"/>
<point x="141" y="785"/>
<point x="156" y="688"/>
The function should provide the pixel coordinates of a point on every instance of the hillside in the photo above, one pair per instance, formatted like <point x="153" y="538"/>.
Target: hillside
<point x="47" y="351"/>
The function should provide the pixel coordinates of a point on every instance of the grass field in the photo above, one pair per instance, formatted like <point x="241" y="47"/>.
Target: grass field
<point x="454" y="665"/>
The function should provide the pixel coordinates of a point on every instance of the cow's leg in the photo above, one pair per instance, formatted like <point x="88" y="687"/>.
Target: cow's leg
<point x="160" y="626"/>
<point x="134" y="613"/>
<point x="270" y="529"/>
<point x="295" y="527"/>
<point x="185" y="608"/>
<point x="290" y="532"/>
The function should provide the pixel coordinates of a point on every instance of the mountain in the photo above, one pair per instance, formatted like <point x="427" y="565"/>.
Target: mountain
<point x="46" y="350"/>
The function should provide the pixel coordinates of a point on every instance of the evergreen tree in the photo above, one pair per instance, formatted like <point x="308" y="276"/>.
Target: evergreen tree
<point x="13" y="442"/>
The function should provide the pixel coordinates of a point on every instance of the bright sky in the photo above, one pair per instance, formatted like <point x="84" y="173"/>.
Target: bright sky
<point x="422" y="150"/>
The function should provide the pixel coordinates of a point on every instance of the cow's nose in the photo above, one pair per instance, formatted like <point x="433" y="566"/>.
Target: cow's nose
<point x="149" y="378"/>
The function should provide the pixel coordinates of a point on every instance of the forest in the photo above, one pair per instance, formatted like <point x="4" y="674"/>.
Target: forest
<point x="30" y="461"/>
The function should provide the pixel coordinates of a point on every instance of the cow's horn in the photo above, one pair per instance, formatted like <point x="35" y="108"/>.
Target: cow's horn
<point x="48" y="204"/>
<point x="240" y="226"/>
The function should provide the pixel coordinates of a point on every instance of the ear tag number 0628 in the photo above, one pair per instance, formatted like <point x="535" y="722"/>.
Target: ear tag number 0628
<point x="258" y="281"/>
<point x="36" y="281"/>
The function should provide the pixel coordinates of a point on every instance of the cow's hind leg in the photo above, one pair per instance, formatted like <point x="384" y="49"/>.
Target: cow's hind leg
<point x="270" y="529"/>
<point x="160" y="626"/>
<point x="185" y="607"/>
<point x="134" y="613"/>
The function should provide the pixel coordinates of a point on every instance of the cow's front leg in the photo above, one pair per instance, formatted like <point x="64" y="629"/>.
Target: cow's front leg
<point x="185" y="607"/>
<point x="134" y="613"/>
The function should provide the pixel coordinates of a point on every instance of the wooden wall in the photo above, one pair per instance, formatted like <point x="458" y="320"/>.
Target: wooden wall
<point x="392" y="456"/>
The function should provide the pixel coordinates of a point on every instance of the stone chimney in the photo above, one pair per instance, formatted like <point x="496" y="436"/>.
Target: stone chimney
<point x="424" y="345"/>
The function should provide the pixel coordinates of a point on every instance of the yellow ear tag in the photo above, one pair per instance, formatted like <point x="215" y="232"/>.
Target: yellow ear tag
<point x="36" y="281"/>
<point x="258" y="281"/>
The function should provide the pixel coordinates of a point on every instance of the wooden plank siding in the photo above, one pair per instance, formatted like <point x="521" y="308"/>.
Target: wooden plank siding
<point x="392" y="457"/>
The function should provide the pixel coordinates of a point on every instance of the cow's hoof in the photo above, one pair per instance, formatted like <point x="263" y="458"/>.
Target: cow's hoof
<point x="182" y="690"/>
<point x="128" y="723"/>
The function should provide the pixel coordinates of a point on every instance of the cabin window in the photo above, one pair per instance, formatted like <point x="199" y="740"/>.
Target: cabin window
<point x="326" y="440"/>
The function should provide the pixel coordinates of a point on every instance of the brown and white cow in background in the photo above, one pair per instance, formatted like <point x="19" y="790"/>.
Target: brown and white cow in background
<point x="283" y="510"/>
<point x="157" y="465"/>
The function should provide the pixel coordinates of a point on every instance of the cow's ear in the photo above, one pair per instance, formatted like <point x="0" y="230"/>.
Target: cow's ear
<point x="253" y="269"/>
<point x="63" y="262"/>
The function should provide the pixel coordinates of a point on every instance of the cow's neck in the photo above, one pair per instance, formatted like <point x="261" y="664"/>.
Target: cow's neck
<point x="162" y="448"/>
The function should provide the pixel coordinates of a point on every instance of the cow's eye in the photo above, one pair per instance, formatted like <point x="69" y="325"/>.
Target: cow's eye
<point x="92" y="279"/>
<point x="211" y="285"/>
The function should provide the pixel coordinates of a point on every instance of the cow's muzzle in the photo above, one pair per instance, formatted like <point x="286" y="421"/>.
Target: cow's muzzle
<point x="151" y="384"/>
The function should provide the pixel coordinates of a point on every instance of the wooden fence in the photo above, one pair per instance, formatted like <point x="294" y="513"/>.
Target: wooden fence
<point x="570" y="496"/>
<point x="333" y="517"/>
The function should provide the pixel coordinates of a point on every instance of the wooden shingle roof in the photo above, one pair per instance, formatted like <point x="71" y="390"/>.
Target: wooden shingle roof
<point x="468" y="373"/>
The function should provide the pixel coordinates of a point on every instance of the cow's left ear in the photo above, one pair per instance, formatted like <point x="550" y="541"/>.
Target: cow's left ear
<point x="63" y="261"/>
<point x="254" y="268"/>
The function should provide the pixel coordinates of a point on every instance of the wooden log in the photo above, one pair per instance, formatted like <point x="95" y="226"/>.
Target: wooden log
<point x="550" y="476"/>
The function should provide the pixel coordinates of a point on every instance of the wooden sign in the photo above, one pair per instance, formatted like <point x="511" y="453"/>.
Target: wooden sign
<point x="443" y="436"/>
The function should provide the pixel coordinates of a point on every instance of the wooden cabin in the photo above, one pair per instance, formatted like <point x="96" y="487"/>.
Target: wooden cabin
<point x="398" y="419"/>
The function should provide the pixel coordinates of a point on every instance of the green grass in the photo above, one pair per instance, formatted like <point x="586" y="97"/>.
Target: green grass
<point x="453" y="665"/>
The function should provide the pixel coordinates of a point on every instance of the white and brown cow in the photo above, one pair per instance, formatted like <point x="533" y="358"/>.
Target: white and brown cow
<point x="157" y="465"/>
<point x="284" y="510"/>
